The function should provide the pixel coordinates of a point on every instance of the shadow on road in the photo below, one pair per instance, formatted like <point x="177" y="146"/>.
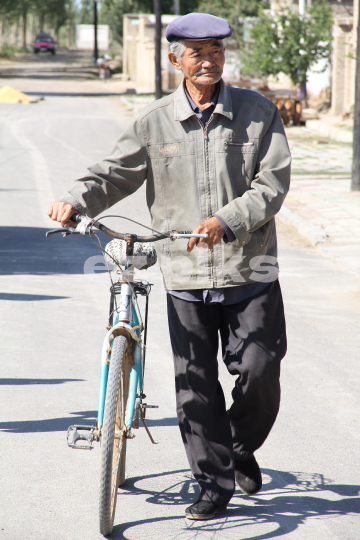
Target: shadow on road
<point x="49" y="75"/>
<point x="26" y="382"/>
<point x="291" y="498"/>
<point x="29" y="297"/>
<point x="59" y="424"/>
<point x="82" y="58"/>
<point x="50" y="424"/>
<point x="162" y="422"/>
<point x="26" y="250"/>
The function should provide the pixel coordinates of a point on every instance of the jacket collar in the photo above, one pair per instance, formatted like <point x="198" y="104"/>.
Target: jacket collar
<point x="183" y="110"/>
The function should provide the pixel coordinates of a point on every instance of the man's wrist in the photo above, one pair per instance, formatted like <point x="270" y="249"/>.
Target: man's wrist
<point x="230" y="236"/>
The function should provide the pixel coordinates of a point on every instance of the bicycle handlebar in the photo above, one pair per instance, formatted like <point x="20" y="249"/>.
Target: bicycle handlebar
<point x="77" y="218"/>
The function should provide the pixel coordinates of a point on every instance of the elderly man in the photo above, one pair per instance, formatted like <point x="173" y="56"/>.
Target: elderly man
<point x="215" y="160"/>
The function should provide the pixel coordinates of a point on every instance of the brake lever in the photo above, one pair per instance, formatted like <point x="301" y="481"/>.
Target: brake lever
<point x="174" y="234"/>
<point x="66" y="231"/>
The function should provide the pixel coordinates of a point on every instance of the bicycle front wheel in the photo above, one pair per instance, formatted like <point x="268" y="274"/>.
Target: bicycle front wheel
<point x="113" y="437"/>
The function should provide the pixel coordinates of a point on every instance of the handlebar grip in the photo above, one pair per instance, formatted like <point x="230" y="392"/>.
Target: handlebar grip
<point x="76" y="218"/>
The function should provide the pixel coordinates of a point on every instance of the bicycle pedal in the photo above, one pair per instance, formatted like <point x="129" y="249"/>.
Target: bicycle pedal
<point x="146" y="406"/>
<point x="74" y="434"/>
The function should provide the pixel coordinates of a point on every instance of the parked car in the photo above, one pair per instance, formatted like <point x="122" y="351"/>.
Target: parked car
<point x="44" y="43"/>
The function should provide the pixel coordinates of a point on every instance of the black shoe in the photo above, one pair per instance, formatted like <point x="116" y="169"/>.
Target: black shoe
<point x="203" y="510"/>
<point x="248" y="476"/>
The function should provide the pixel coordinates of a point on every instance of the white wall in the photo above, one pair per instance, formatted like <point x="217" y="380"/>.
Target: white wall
<point x="318" y="81"/>
<point x="85" y="36"/>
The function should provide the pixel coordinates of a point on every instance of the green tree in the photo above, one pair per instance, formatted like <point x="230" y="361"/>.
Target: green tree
<point x="234" y="11"/>
<point x="112" y="11"/>
<point x="55" y="13"/>
<point x="85" y="13"/>
<point x="10" y="12"/>
<point x="289" y="43"/>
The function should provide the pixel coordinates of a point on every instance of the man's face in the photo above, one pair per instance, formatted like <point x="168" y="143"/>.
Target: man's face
<point x="202" y="61"/>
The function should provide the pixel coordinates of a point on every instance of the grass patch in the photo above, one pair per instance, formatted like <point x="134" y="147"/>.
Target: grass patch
<point x="321" y="172"/>
<point x="8" y="51"/>
<point x="307" y="137"/>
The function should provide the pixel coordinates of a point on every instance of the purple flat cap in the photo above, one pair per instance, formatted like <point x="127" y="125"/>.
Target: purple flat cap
<point x="198" y="27"/>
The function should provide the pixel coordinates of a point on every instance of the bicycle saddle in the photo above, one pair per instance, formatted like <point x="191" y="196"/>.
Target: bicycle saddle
<point x="144" y="254"/>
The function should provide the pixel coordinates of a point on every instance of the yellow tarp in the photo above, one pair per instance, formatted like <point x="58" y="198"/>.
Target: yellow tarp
<point x="11" y="95"/>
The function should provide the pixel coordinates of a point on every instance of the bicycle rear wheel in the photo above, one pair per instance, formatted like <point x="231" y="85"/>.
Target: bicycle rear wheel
<point x="113" y="438"/>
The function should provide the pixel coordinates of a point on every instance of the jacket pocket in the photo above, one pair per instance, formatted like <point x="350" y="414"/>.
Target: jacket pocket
<point x="258" y="240"/>
<point x="174" y="169"/>
<point x="237" y="146"/>
<point x="171" y="149"/>
<point x="236" y="159"/>
<point x="242" y="144"/>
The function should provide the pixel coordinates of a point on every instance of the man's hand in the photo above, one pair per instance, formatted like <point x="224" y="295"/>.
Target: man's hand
<point x="213" y="228"/>
<point x="62" y="212"/>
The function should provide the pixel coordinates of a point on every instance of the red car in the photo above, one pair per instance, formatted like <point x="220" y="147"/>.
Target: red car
<point x="44" y="43"/>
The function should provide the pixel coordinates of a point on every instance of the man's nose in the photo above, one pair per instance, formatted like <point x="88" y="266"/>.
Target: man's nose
<point x="208" y="62"/>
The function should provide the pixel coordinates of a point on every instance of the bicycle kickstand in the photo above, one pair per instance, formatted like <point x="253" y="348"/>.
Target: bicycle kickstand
<point x="143" y="408"/>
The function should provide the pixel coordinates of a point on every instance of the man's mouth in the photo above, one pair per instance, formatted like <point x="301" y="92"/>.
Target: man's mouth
<point x="207" y="71"/>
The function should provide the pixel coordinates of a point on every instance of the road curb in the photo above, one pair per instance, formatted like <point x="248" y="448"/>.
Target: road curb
<point x="331" y="132"/>
<point x="75" y="94"/>
<point x="315" y="234"/>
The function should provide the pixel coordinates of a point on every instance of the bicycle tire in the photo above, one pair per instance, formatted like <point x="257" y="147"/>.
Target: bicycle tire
<point x="113" y="450"/>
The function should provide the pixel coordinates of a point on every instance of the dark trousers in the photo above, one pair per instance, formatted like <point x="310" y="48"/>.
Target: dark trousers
<point x="253" y="339"/>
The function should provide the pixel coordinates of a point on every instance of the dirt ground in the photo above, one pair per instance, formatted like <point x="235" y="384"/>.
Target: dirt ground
<point x="290" y="237"/>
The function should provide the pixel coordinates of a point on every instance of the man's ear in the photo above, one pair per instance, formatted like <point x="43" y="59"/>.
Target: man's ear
<point x="175" y="62"/>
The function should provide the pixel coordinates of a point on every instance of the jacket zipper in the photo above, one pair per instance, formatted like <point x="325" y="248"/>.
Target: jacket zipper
<point x="206" y="139"/>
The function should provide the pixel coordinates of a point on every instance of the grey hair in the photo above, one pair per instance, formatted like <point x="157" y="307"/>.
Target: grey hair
<point x="178" y="47"/>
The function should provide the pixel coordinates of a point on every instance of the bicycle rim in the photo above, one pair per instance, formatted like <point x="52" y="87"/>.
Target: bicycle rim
<point x="113" y="439"/>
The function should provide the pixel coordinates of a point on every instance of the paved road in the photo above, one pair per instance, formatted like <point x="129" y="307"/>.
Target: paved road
<point x="67" y="72"/>
<point x="53" y="322"/>
<point x="320" y="193"/>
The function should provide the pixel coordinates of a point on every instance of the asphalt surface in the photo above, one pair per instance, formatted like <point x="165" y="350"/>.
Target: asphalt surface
<point x="53" y="319"/>
<point x="65" y="73"/>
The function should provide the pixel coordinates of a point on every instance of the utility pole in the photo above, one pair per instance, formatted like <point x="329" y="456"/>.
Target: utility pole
<point x="355" y="177"/>
<point x="24" y="27"/>
<point x="70" y="27"/>
<point x="157" y="11"/>
<point x="96" y="52"/>
<point x="303" y="86"/>
<point x="176" y="7"/>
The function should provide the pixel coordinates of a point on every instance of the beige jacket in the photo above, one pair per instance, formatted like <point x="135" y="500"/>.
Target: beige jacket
<point x="238" y="167"/>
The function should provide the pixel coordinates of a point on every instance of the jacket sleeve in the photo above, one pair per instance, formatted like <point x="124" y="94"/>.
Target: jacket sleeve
<point x="114" y="178"/>
<point x="269" y="187"/>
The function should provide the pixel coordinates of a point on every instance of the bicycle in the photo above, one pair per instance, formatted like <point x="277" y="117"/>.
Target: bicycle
<point x="121" y="385"/>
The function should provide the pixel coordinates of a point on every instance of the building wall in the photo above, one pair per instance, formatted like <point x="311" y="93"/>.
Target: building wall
<point x="344" y="64"/>
<point x="139" y="52"/>
<point x="85" y="36"/>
